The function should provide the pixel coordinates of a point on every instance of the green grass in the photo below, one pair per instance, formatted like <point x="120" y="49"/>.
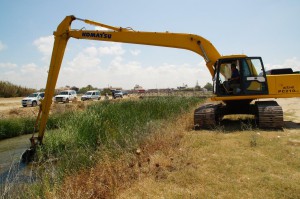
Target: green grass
<point x="15" y="127"/>
<point x="12" y="127"/>
<point x="235" y="162"/>
<point x="110" y="125"/>
<point x="77" y="139"/>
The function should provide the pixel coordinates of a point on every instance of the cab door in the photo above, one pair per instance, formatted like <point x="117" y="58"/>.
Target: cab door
<point x="254" y="79"/>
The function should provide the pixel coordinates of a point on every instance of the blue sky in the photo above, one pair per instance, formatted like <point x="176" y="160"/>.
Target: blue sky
<point x="266" y="28"/>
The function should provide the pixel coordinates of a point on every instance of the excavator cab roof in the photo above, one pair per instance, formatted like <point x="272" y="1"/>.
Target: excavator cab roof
<point x="232" y="56"/>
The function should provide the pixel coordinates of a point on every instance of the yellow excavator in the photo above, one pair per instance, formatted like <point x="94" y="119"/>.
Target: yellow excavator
<point x="252" y="82"/>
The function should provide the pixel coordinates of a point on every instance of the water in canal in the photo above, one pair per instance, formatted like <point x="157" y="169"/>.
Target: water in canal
<point x="12" y="171"/>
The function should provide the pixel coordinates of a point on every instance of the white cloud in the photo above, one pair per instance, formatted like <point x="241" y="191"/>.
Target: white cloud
<point x="45" y="46"/>
<point x="293" y="63"/>
<point x="86" y="68"/>
<point x="89" y="67"/>
<point x="28" y="75"/>
<point x="87" y="59"/>
<point x="8" y="65"/>
<point x="29" y="68"/>
<point x="2" y="46"/>
<point x="135" y="52"/>
<point x="112" y="49"/>
<point x="90" y="51"/>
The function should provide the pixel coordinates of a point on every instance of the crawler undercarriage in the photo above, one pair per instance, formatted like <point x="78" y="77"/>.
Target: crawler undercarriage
<point x="268" y="114"/>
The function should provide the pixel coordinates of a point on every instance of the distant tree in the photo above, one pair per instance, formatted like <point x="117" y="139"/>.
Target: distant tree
<point x="87" y="88"/>
<point x="75" y="88"/>
<point x="106" y="90"/>
<point x="90" y="87"/>
<point x="8" y="89"/>
<point x="208" y="86"/>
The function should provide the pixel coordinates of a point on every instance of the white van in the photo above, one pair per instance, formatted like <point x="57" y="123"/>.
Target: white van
<point x="91" y="95"/>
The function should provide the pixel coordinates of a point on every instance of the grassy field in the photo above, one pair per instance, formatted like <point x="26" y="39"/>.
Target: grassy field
<point x="12" y="127"/>
<point x="165" y="158"/>
<point x="86" y="137"/>
<point x="225" y="165"/>
<point x="174" y="161"/>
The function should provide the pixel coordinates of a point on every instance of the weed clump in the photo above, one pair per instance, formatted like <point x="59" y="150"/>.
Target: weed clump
<point x="12" y="127"/>
<point x="115" y="126"/>
<point x="78" y="140"/>
<point x="15" y="127"/>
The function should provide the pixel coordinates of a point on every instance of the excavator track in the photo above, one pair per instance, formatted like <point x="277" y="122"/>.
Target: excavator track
<point x="206" y="116"/>
<point x="269" y="114"/>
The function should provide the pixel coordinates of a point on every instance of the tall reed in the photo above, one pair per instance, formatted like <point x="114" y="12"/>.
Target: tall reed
<point x="114" y="127"/>
<point x="110" y="125"/>
<point x="12" y="127"/>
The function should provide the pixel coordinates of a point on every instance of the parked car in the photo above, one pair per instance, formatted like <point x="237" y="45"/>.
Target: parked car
<point x="33" y="99"/>
<point x="91" y="95"/>
<point x="116" y="94"/>
<point x="125" y="93"/>
<point x="66" y="96"/>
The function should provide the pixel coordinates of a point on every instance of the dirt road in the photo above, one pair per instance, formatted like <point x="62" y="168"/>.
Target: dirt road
<point x="291" y="109"/>
<point x="10" y="103"/>
<point x="11" y="107"/>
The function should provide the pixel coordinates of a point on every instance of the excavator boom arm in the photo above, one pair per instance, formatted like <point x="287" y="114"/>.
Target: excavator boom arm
<point x="191" y="42"/>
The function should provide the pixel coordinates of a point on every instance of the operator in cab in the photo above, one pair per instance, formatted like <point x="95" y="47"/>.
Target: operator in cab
<point x="234" y="81"/>
<point x="235" y="75"/>
<point x="232" y="85"/>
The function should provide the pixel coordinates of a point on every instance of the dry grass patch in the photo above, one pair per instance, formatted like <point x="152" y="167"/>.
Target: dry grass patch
<point x="117" y="171"/>
<point x="235" y="160"/>
<point x="218" y="165"/>
<point x="14" y="111"/>
<point x="177" y="162"/>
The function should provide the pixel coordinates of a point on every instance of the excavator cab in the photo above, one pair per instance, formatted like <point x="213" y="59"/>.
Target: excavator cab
<point x="251" y="78"/>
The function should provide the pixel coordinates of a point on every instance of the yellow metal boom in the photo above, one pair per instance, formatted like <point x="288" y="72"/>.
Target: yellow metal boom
<point x="255" y="84"/>
<point x="190" y="42"/>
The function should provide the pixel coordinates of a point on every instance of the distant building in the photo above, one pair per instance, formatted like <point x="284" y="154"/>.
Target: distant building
<point x="57" y="90"/>
<point x="138" y="89"/>
<point x="184" y="86"/>
<point x="75" y="88"/>
<point x="115" y="88"/>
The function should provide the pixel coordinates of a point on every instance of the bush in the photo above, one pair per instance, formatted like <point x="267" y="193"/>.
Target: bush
<point x="110" y="125"/>
<point x="8" y="89"/>
<point x="15" y="127"/>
